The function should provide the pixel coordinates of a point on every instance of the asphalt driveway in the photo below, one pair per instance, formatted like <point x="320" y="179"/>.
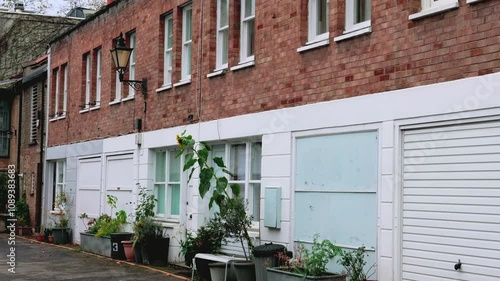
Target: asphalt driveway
<point x="35" y="261"/>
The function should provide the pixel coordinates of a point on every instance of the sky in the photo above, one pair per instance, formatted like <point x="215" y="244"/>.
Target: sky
<point x="56" y="6"/>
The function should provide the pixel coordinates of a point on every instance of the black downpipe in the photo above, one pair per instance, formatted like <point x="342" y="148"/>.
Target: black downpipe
<point x="19" y="133"/>
<point x="39" y="167"/>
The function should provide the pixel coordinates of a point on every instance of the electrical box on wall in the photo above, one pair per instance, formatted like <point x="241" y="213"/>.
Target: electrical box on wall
<point x="272" y="207"/>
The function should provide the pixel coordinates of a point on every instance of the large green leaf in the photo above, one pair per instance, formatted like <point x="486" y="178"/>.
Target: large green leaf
<point x="221" y="184"/>
<point x="235" y="188"/>
<point x="205" y="177"/>
<point x="219" y="162"/>
<point x="189" y="164"/>
<point x="203" y="154"/>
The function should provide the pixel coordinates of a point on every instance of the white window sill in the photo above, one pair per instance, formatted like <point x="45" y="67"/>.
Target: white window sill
<point x="242" y="65"/>
<point x="128" y="98"/>
<point x="56" y="212"/>
<point x="84" y="110"/>
<point x="355" y="33"/>
<point x="313" y="45"/>
<point x="164" y="88"/>
<point x="61" y="117"/>
<point x="473" y="1"/>
<point x="217" y="72"/>
<point x="115" y="102"/>
<point x="53" y="119"/>
<point x="182" y="82"/>
<point x="95" y="108"/>
<point x="434" y="10"/>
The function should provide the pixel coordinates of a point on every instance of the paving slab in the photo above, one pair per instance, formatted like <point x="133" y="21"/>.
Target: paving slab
<point x="41" y="261"/>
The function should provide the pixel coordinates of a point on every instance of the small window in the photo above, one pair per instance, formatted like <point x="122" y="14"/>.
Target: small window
<point x="34" y="114"/>
<point x="358" y="14"/>
<point x="65" y="91"/>
<point x="87" y="80"/>
<point x="222" y="34"/>
<point x="58" y="180"/>
<point x="131" y="70"/>
<point x="118" y="84"/>
<point x="167" y="59"/>
<point x="168" y="184"/>
<point x="56" y="90"/>
<point x="4" y="128"/>
<point x="318" y="21"/>
<point x="247" y="30"/>
<point x="186" y="43"/>
<point x="432" y="7"/>
<point x="98" y="78"/>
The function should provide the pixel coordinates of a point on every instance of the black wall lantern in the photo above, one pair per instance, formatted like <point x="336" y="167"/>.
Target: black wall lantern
<point x="121" y="56"/>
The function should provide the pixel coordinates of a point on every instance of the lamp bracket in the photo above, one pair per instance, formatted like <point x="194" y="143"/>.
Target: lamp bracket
<point x="138" y="85"/>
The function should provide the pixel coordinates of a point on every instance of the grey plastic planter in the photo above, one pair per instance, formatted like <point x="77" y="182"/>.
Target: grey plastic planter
<point x="274" y="274"/>
<point x="96" y="245"/>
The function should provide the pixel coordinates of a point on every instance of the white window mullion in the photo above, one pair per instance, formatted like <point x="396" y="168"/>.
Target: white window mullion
<point x="56" y="95"/>
<point x="87" y="81"/>
<point x="131" y="73"/>
<point x="65" y="91"/>
<point x="167" y="60"/>
<point x="98" y="78"/>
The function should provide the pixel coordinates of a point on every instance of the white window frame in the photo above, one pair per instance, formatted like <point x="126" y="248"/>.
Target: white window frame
<point x="430" y="7"/>
<point x="245" y="35"/>
<point x="118" y="89"/>
<point x="131" y="68"/>
<point x="34" y="113"/>
<point x="221" y="39"/>
<point x="65" y="91"/>
<point x="168" y="55"/>
<point x="351" y="10"/>
<point x="98" y="77"/>
<point x="168" y="186"/>
<point x="246" y="184"/>
<point x="58" y="186"/>
<point x="87" y="81"/>
<point x="186" y="55"/>
<point x="56" y="94"/>
<point x="312" y="35"/>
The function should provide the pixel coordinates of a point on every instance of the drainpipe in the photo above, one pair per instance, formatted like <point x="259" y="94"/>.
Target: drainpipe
<point x="45" y="142"/>
<point x="39" y="166"/>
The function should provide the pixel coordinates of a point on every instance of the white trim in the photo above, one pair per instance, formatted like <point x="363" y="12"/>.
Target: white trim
<point x="473" y="1"/>
<point x="65" y="91"/>
<point x="167" y="65"/>
<point x="87" y="81"/>
<point x="244" y="35"/>
<point x="164" y="88"/>
<point x="182" y="83"/>
<point x="242" y="65"/>
<point x="98" y="86"/>
<point x="220" y="32"/>
<point x="115" y="102"/>
<point x="128" y="98"/>
<point x="313" y="45"/>
<point x="312" y="22"/>
<point x="351" y="34"/>
<point x="434" y="10"/>
<point x="84" y="110"/>
<point x="133" y="59"/>
<point x="217" y="73"/>
<point x="187" y="44"/>
<point x="95" y="107"/>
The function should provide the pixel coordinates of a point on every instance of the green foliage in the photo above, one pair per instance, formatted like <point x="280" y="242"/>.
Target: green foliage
<point x="104" y="225"/>
<point x="354" y="263"/>
<point x="146" y="229"/>
<point x="146" y="206"/>
<point x="313" y="262"/>
<point x="208" y="239"/>
<point x="232" y="208"/>
<point x="23" y="211"/>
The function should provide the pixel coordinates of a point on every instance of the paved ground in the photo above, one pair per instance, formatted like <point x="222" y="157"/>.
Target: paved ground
<point x="35" y="261"/>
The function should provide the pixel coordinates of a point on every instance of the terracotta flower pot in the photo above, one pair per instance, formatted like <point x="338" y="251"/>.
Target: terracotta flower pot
<point x="51" y="239"/>
<point x="129" y="250"/>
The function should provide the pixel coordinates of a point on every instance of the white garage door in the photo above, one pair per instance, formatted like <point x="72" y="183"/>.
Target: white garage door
<point x="89" y="191"/>
<point x="120" y="182"/>
<point x="451" y="203"/>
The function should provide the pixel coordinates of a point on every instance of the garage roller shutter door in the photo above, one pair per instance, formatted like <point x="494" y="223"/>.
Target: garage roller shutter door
<point x="451" y="203"/>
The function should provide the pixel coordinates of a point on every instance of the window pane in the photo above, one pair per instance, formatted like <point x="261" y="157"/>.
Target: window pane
<point x="60" y="172"/>
<point x="224" y="46"/>
<point x="255" y="161"/>
<point x="175" y="196"/>
<point x="248" y="8"/>
<point x="4" y="144"/>
<point x="160" y="204"/>
<point x="362" y="10"/>
<point x="160" y="167"/>
<point x="223" y="13"/>
<point x="174" y="171"/>
<point x="188" y="59"/>
<point x="322" y="9"/>
<point x="238" y="153"/>
<point x="217" y="151"/>
<point x="188" y="25"/>
<point x="250" y="42"/>
<point x="254" y="200"/>
<point x="169" y="32"/>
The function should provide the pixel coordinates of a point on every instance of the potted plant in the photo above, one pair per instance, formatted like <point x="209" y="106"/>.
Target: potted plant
<point x="354" y="264"/>
<point x="48" y="235"/>
<point x="61" y="229"/>
<point x="97" y="238"/>
<point x="232" y="208"/>
<point x="308" y="264"/>
<point x="23" y="216"/>
<point x="40" y="235"/>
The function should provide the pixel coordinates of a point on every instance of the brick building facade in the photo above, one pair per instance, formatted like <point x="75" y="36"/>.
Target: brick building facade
<point x="292" y="78"/>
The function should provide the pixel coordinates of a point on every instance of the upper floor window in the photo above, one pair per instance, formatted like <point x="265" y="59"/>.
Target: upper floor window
<point x="59" y="96"/>
<point x="56" y="90"/>
<point x="4" y="128"/>
<point x="247" y="30"/>
<point x="131" y="70"/>
<point x="222" y="34"/>
<point x="98" y="77"/>
<point x="167" y="184"/>
<point x="87" y="80"/>
<point x="432" y="7"/>
<point x="34" y="113"/>
<point x="65" y="91"/>
<point x="318" y="20"/>
<point x="118" y="84"/>
<point x="167" y="59"/>
<point x="358" y="14"/>
<point x="186" y="43"/>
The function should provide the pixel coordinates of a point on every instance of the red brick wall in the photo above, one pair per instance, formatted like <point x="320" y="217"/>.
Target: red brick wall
<point x="397" y="54"/>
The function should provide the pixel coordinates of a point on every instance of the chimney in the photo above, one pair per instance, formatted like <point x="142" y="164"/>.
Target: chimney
<point x="19" y="6"/>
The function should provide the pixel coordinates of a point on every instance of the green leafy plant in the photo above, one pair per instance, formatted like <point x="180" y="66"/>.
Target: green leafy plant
<point x="146" y="206"/>
<point x="232" y="208"/>
<point x="146" y="229"/>
<point x="354" y="263"/>
<point x="207" y="239"/>
<point x="23" y="211"/>
<point x="104" y="225"/>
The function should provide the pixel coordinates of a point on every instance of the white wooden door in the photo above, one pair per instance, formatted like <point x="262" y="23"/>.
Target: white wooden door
<point x="120" y="182"/>
<point x="88" y="192"/>
<point x="451" y="203"/>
